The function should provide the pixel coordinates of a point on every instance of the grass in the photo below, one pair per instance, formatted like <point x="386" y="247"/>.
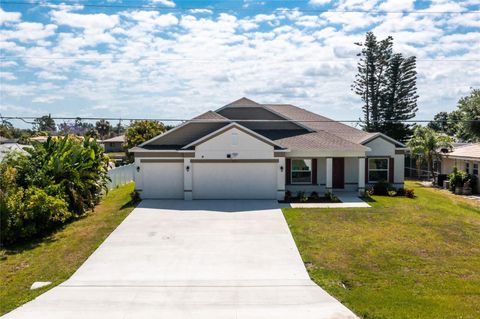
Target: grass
<point x="56" y="257"/>
<point x="402" y="258"/>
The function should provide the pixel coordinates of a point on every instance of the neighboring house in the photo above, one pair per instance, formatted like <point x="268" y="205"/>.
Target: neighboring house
<point x="247" y="150"/>
<point x="4" y="140"/>
<point x="465" y="157"/>
<point x="41" y="139"/>
<point x="114" y="144"/>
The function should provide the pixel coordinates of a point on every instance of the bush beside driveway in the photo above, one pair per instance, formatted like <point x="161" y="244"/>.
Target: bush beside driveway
<point x="402" y="258"/>
<point x="56" y="257"/>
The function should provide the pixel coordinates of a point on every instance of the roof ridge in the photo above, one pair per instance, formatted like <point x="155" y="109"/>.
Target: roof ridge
<point x="215" y="114"/>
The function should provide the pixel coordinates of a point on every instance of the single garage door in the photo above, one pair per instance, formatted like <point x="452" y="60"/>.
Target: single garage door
<point x="234" y="180"/>
<point x="162" y="180"/>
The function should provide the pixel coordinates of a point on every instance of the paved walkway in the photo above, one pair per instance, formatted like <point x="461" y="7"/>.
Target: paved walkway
<point x="195" y="260"/>
<point x="348" y="200"/>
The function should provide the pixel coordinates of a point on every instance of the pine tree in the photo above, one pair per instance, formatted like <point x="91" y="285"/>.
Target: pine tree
<point x="399" y="99"/>
<point x="386" y="82"/>
<point x="369" y="81"/>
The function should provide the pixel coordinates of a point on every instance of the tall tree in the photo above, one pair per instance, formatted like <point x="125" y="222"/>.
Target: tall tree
<point x="469" y="114"/>
<point x="399" y="98"/>
<point x="427" y="145"/>
<point x="45" y="123"/>
<point x="462" y="123"/>
<point x="370" y="80"/>
<point x="141" y="131"/>
<point x="440" y="123"/>
<point x="386" y="82"/>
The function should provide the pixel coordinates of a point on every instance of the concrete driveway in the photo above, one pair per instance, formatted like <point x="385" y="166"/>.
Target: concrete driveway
<point x="192" y="259"/>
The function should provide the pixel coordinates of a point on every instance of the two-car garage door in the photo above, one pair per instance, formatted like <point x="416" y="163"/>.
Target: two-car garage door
<point x="226" y="180"/>
<point x="211" y="180"/>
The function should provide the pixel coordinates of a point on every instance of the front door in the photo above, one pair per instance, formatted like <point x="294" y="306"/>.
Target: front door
<point x="338" y="172"/>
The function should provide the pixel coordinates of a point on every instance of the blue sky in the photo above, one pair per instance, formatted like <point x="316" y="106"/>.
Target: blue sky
<point x="176" y="59"/>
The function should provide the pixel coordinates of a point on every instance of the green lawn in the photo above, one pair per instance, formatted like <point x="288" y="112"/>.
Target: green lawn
<point x="403" y="258"/>
<point x="56" y="257"/>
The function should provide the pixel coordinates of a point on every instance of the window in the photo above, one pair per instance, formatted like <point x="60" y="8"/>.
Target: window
<point x="301" y="171"/>
<point x="377" y="169"/>
<point x="475" y="169"/>
<point x="467" y="168"/>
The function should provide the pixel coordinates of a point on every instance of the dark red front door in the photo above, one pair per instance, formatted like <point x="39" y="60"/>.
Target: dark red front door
<point x="338" y="172"/>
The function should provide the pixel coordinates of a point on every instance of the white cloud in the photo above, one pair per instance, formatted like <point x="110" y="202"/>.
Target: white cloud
<point x="397" y="5"/>
<point x="319" y="2"/>
<point x="97" y="22"/>
<point x="6" y="16"/>
<point x="47" y="99"/>
<point x="167" y="3"/>
<point x="50" y="76"/>
<point x="7" y="75"/>
<point x="29" y="31"/>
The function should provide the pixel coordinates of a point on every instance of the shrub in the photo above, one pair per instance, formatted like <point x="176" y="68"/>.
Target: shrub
<point x="457" y="178"/>
<point x="314" y="196"/>
<point x="302" y="196"/>
<point x="288" y="195"/>
<point x="409" y="193"/>
<point x="27" y="213"/>
<point x="392" y="193"/>
<point x="381" y="188"/>
<point x="57" y="180"/>
<point x="331" y="197"/>
<point x="401" y="191"/>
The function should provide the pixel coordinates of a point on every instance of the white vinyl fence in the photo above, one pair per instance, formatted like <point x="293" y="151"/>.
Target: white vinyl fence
<point x="121" y="175"/>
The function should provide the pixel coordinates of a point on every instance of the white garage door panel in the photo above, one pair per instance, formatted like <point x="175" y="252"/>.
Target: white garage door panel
<point x="234" y="180"/>
<point x="162" y="180"/>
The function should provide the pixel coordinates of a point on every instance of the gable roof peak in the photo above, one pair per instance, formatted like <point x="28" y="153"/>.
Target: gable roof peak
<point x="243" y="102"/>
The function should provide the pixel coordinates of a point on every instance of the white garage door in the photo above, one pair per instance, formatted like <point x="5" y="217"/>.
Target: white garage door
<point x="234" y="180"/>
<point x="162" y="180"/>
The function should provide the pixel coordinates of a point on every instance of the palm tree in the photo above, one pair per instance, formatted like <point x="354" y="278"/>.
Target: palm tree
<point x="103" y="128"/>
<point x="427" y="145"/>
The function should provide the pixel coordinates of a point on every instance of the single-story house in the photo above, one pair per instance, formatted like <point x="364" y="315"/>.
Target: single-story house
<point x="114" y="144"/>
<point x="464" y="157"/>
<point x="247" y="150"/>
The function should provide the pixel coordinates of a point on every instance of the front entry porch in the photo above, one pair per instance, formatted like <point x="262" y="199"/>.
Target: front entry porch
<point x="325" y="174"/>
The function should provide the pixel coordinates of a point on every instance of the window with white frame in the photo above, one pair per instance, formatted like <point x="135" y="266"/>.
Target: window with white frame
<point x="467" y="168"/>
<point x="475" y="169"/>
<point x="377" y="169"/>
<point x="301" y="171"/>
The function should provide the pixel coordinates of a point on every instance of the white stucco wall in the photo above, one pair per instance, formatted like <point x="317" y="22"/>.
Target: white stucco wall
<point x="399" y="170"/>
<point x="380" y="147"/>
<point x="247" y="146"/>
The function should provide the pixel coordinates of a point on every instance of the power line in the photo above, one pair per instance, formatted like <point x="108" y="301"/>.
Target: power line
<point x="113" y="59"/>
<point x="154" y="7"/>
<point x="4" y="118"/>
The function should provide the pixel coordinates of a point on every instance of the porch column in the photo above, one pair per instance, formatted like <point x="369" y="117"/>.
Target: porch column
<point x="329" y="175"/>
<point x="361" y="175"/>
<point x="281" y="178"/>
<point x="187" y="179"/>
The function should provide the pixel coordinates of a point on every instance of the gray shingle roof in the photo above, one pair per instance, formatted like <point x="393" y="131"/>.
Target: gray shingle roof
<point x="116" y="139"/>
<point x="210" y="115"/>
<point x="324" y="123"/>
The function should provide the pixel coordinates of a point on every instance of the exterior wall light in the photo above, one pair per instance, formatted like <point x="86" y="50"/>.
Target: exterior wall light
<point x="187" y="168"/>
<point x="138" y="168"/>
<point x="281" y="168"/>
